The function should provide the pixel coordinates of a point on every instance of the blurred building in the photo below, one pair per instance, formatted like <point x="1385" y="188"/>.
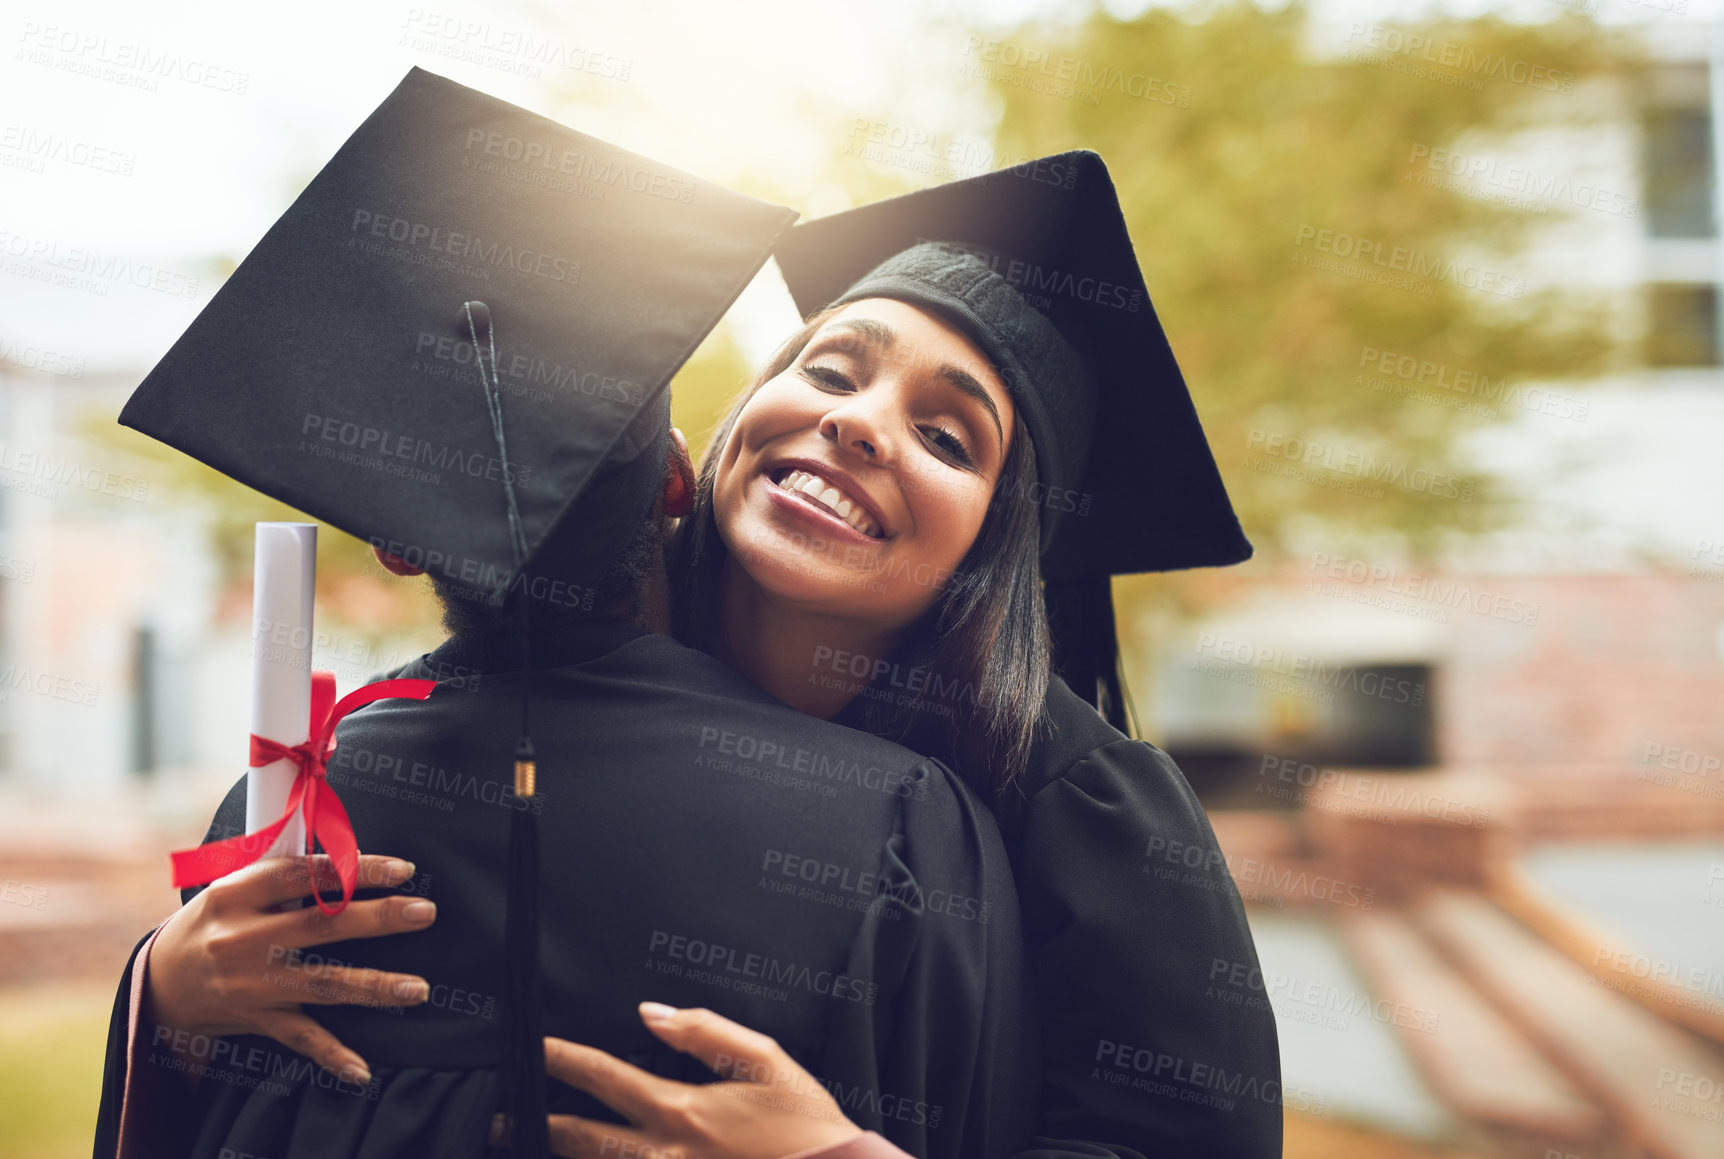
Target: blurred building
<point x="1477" y="810"/>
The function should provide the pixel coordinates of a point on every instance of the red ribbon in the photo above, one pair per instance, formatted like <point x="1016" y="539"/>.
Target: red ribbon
<point x="325" y="819"/>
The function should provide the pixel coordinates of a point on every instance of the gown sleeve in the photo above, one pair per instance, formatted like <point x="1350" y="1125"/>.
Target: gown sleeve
<point x="1130" y="912"/>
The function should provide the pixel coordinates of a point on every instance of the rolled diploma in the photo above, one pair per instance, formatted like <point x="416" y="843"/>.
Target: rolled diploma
<point x="284" y="576"/>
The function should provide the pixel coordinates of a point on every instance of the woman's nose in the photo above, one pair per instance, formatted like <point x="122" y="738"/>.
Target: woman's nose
<point x="860" y="424"/>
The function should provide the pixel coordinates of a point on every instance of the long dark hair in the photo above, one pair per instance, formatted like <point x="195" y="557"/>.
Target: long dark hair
<point x="983" y="647"/>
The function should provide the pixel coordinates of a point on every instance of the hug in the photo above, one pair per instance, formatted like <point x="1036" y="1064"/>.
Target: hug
<point x="781" y="904"/>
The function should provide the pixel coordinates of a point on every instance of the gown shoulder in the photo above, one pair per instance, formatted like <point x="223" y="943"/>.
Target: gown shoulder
<point x="1130" y="914"/>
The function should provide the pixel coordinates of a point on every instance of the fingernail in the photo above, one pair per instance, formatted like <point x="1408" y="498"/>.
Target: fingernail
<point x="401" y="870"/>
<point x="413" y="990"/>
<point x="657" y="1011"/>
<point x="419" y="911"/>
<point x="361" y="1075"/>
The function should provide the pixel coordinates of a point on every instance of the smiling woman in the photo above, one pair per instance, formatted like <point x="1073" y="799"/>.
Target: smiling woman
<point x="896" y="412"/>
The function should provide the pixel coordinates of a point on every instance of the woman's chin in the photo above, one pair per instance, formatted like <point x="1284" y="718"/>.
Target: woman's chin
<point x="790" y="572"/>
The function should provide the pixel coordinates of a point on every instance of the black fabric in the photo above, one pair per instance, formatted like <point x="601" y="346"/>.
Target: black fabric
<point x="671" y="793"/>
<point x="1123" y="944"/>
<point x="1136" y="489"/>
<point x="1144" y="1056"/>
<point x="334" y="370"/>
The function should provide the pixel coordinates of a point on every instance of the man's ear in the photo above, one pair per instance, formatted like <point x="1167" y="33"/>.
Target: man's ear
<point x="678" y="476"/>
<point x="395" y="563"/>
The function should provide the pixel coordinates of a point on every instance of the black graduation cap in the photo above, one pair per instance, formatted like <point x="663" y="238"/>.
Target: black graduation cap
<point x="1127" y="482"/>
<point x="336" y="370"/>
<point x="455" y="340"/>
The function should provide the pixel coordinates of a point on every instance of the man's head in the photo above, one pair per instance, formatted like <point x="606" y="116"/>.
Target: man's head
<point x="632" y="587"/>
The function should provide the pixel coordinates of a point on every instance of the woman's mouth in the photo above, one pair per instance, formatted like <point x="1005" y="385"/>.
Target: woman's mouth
<point x="826" y="496"/>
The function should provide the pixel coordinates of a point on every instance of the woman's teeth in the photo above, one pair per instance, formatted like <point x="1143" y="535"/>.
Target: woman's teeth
<point x="830" y="497"/>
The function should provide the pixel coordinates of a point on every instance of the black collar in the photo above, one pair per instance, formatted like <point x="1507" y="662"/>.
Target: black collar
<point x="554" y="646"/>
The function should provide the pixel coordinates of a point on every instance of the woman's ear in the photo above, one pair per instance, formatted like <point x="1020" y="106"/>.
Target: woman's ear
<point x="395" y="563"/>
<point x="678" y="477"/>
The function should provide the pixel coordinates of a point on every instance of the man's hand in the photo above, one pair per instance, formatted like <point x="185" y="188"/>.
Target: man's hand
<point x="772" y="1108"/>
<point x="230" y="962"/>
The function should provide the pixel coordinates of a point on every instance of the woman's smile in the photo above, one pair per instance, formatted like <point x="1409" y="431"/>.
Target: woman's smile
<point x="831" y="494"/>
<point x="884" y="437"/>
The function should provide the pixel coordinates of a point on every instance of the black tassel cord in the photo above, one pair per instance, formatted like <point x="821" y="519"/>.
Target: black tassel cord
<point x="523" y="1016"/>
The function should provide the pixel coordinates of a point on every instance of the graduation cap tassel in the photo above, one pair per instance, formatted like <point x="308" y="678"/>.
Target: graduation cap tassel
<point x="523" y="1048"/>
<point x="1086" y="646"/>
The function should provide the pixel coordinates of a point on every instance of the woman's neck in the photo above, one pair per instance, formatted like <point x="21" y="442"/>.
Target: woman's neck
<point x="806" y="659"/>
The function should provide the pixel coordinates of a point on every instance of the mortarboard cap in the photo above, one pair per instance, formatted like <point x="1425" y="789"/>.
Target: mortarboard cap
<point x="336" y="370"/>
<point x="1034" y="263"/>
<point x="455" y="344"/>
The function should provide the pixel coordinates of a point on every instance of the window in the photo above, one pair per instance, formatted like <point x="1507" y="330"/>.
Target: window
<point x="1678" y="172"/>
<point x="1684" y="325"/>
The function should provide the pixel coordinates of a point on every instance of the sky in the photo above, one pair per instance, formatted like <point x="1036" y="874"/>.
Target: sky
<point x="173" y="135"/>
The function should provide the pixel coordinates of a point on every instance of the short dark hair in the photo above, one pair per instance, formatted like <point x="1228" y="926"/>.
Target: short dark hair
<point x="986" y="636"/>
<point x="617" y="595"/>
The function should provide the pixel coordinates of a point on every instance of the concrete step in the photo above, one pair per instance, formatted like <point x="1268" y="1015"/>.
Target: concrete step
<point x="1474" y="1060"/>
<point x="1662" y="1086"/>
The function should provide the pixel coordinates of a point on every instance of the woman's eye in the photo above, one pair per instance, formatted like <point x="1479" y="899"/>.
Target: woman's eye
<point x="826" y="376"/>
<point x="948" y="442"/>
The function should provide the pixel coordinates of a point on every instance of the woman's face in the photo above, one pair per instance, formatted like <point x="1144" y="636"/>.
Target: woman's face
<point x="856" y="481"/>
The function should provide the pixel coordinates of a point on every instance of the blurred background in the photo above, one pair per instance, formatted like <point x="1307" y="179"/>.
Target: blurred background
<point x="1444" y="280"/>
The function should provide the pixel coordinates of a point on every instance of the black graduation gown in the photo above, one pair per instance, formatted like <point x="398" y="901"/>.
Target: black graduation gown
<point x="1137" y="936"/>
<point x="704" y="845"/>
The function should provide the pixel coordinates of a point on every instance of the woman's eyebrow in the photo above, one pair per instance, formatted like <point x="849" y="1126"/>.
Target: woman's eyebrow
<point x="876" y="333"/>
<point x="881" y="336"/>
<point x="966" y="382"/>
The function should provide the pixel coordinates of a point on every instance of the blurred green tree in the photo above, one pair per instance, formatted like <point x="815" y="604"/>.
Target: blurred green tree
<point x="1247" y="138"/>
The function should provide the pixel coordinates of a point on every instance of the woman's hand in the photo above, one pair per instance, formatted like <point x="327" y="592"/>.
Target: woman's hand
<point x="772" y="1107"/>
<point x="231" y="961"/>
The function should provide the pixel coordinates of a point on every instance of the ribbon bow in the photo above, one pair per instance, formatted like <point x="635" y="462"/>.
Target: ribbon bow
<point x="325" y="818"/>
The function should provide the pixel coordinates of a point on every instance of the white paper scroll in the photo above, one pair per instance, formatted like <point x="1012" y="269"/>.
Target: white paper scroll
<point x="285" y="574"/>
